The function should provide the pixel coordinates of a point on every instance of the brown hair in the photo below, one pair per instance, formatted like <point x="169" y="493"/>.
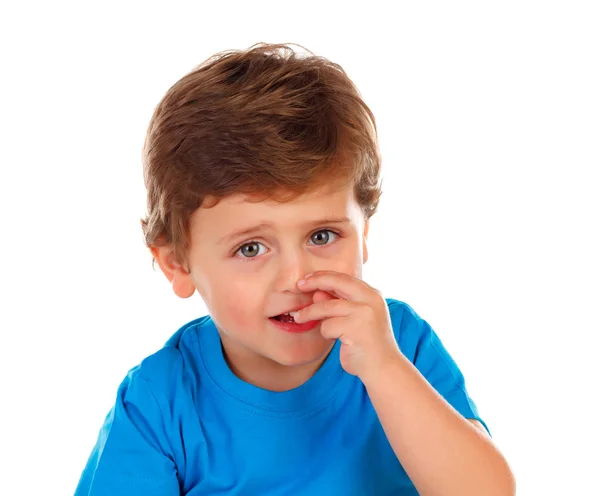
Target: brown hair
<point x="267" y="122"/>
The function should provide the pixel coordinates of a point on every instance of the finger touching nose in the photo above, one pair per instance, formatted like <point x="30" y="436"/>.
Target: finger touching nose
<point x="319" y="295"/>
<point x="289" y="274"/>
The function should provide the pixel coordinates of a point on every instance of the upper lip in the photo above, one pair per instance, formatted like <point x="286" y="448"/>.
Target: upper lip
<point x="295" y="309"/>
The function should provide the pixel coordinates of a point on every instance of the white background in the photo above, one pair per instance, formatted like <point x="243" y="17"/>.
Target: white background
<point x="489" y="119"/>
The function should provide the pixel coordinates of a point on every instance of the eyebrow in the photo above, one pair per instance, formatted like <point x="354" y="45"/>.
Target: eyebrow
<point x="267" y="225"/>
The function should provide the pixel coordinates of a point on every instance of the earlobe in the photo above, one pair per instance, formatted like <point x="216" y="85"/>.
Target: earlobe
<point x="178" y="275"/>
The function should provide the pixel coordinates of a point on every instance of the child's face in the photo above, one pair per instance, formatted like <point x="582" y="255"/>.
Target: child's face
<point x="245" y="279"/>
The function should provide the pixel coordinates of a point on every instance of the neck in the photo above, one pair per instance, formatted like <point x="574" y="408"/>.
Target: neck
<point x="267" y="374"/>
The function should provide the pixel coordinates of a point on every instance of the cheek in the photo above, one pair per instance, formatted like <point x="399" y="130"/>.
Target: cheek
<point x="358" y="269"/>
<point x="346" y="258"/>
<point x="236" y="316"/>
<point x="352" y="261"/>
<point x="237" y="301"/>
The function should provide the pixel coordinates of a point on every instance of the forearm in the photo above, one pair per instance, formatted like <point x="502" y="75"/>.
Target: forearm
<point x="442" y="453"/>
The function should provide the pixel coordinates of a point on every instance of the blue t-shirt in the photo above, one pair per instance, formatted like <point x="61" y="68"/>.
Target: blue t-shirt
<point x="184" y="424"/>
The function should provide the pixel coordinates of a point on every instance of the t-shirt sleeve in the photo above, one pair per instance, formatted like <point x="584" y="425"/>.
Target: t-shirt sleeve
<point x="131" y="456"/>
<point x="422" y="346"/>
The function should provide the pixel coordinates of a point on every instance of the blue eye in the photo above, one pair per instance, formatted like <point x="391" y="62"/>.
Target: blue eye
<point x="322" y="237"/>
<point x="250" y="250"/>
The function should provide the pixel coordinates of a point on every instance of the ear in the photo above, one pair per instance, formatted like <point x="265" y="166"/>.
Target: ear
<point x="177" y="274"/>
<point x="365" y="235"/>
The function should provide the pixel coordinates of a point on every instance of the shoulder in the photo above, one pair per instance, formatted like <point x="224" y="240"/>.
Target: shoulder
<point x="410" y="329"/>
<point x="160" y="367"/>
<point x="397" y="308"/>
<point x="163" y="372"/>
<point x="149" y="385"/>
<point x="405" y="320"/>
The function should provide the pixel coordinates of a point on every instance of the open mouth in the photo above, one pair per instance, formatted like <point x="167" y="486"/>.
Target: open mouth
<point x="284" y="317"/>
<point x="286" y="322"/>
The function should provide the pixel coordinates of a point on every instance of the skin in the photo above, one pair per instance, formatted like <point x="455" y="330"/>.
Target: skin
<point x="443" y="453"/>
<point x="241" y="293"/>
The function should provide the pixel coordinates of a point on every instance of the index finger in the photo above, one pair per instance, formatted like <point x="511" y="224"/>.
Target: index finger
<point x="337" y="283"/>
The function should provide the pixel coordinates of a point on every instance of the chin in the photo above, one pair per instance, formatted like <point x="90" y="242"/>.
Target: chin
<point x="304" y="355"/>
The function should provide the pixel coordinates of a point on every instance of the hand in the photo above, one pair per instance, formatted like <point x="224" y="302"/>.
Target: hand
<point x="357" y="315"/>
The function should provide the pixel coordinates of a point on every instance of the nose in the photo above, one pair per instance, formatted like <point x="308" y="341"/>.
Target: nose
<point x="293" y="265"/>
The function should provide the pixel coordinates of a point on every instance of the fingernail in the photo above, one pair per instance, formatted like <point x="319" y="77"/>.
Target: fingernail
<point x="308" y="275"/>
<point x="301" y="282"/>
<point x="294" y="314"/>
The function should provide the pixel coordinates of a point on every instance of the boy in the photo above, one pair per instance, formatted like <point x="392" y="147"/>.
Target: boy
<point x="262" y="170"/>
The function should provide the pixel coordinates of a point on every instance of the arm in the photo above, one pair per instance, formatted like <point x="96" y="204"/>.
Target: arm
<point x="131" y="456"/>
<point x="443" y="453"/>
<point x="423" y="406"/>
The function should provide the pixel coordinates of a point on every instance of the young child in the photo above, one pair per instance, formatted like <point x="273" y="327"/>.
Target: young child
<point x="262" y="169"/>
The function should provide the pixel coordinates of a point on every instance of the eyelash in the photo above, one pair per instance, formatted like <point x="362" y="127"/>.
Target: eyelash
<point x="250" y="259"/>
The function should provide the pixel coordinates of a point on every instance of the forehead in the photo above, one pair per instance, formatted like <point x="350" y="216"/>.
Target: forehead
<point x="241" y="209"/>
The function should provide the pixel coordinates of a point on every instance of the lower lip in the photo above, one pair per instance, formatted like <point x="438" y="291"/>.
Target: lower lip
<point x="294" y="327"/>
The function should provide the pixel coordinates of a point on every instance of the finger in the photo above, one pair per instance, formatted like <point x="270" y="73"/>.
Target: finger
<point x="323" y="310"/>
<point x="333" y="329"/>
<point x="322" y="296"/>
<point x="338" y="284"/>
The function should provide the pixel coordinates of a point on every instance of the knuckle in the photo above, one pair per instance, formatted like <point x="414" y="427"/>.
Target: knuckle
<point x="369" y="310"/>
